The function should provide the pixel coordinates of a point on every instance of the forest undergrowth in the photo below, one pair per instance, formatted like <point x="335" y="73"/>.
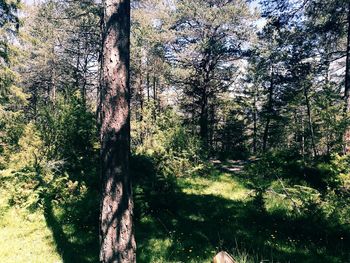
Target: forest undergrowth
<point x="190" y="221"/>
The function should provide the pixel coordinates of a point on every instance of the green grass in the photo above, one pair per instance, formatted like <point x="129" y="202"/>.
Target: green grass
<point x="217" y="211"/>
<point x="186" y="226"/>
<point x="24" y="236"/>
<point x="222" y="185"/>
<point x="190" y="222"/>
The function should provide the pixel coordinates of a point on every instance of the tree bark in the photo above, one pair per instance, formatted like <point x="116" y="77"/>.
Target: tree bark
<point x="155" y="97"/>
<point x="140" y="98"/>
<point x="269" y="112"/>
<point x="52" y="88"/>
<point x="308" y="108"/>
<point x="117" y="243"/>
<point x="148" y="86"/>
<point x="255" y="117"/>
<point x="347" y="84"/>
<point x="203" y="120"/>
<point x="212" y="127"/>
<point x="140" y="90"/>
<point x="154" y="88"/>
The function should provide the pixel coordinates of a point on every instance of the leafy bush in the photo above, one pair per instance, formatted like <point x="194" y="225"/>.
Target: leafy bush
<point x="31" y="176"/>
<point x="55" y="158"/>
<point x="174" y="150"/>
<point x="12" y="120"/>
<point x="294" y="200"/>
<point x="284" y="182"/>
<point x="69" y="133"/>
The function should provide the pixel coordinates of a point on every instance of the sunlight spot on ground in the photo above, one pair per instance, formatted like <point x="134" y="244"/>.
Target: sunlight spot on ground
<point x="25" y="236"/>
<point x="31" y="239"/>
<point x="224" y="186"/>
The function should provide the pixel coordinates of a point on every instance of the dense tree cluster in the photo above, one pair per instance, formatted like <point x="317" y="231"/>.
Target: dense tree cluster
<point x="197" y="80"/>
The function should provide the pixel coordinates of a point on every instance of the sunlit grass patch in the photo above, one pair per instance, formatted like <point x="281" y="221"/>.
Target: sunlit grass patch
<point x="222" y="185"/>
<point x="291" y="200"/>
<point x="26" y="238"/>
<point x="189" y="232"/>
<point x="156" y="250"/>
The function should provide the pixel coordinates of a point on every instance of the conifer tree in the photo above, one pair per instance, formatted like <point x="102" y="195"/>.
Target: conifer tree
<point x="116" y="221"/>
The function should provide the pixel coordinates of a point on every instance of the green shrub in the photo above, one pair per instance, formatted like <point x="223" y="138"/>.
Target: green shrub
<point x="69" y="133"/>
<point x="56" y="157"/>
<point x="175" y="151"/>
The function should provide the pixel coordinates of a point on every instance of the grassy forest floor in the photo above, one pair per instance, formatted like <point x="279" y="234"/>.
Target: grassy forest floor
<point x="25" y="236"/>
<point x="198" y="217"/>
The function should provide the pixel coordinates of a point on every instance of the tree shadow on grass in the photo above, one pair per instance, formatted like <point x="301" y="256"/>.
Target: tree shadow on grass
<point x="173" y="226"/>
<point x="178" y="227"/>
<point x="200" y="226"/>
<point x="74" y="227"/>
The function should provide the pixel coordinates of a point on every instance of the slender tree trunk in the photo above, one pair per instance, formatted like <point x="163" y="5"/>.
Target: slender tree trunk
<point x="53" y="87"/>
<point x="117" y="242"/>
<point x="347" y="84"/>
<point x="85" y="72"/>
<point x="309" y="116"/>
<point x="140" y="89"/>
<point x="303" y="143"/>
<point x="211" y="127"/>
<point x="302" y="137"/>
<point x="296" y="130"/>
<point x="154" y="88"/>
<point x="255" y="128"/>
<point x="155" y="97"/>
<point x="140" y="98"/>
<point x="204" y="113"/>
<point x="100" y="76"/>
<point x="77" y="66"/>
<point x="148" y="86"/>
<point x="328" y="127"/>
<point x="203" y="120"/>
<point x="266" y="134"/>
<point x="269" y="112"/>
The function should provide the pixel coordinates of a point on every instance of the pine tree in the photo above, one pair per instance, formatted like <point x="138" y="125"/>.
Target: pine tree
<point x="209" y="38"/>
<point x="116" y="221"/>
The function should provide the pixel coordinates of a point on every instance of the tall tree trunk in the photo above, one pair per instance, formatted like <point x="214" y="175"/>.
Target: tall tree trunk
<point x="296" y="134"/>
<point x="154" y="88"/>
<point x="139" y="90"/>
<point x="347" y="84"/>
<point x="269" y="112"/>
<point x="309" y="116"/>
<point x="329" y="128"/>
<point x="155" y="97"/>
<point x="85" y="74"/>
<point x="140" y="98"/>
<point x="148" y="86"/>
<point x="255" y="127"/>
<point x="203" y="120"/>
<point x="100" y="77"/>
<point x="77" y="66"/>
<point x="302" y="137"/>
<point x="52" y="85"/>
<point x="52" y="89"/>
<point x="211" y="127"/>
<point x="266" y="134"/>
<point x="117" y="242"/>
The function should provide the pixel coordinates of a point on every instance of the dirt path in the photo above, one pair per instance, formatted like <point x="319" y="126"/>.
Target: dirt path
<point x="231" y="166"/>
